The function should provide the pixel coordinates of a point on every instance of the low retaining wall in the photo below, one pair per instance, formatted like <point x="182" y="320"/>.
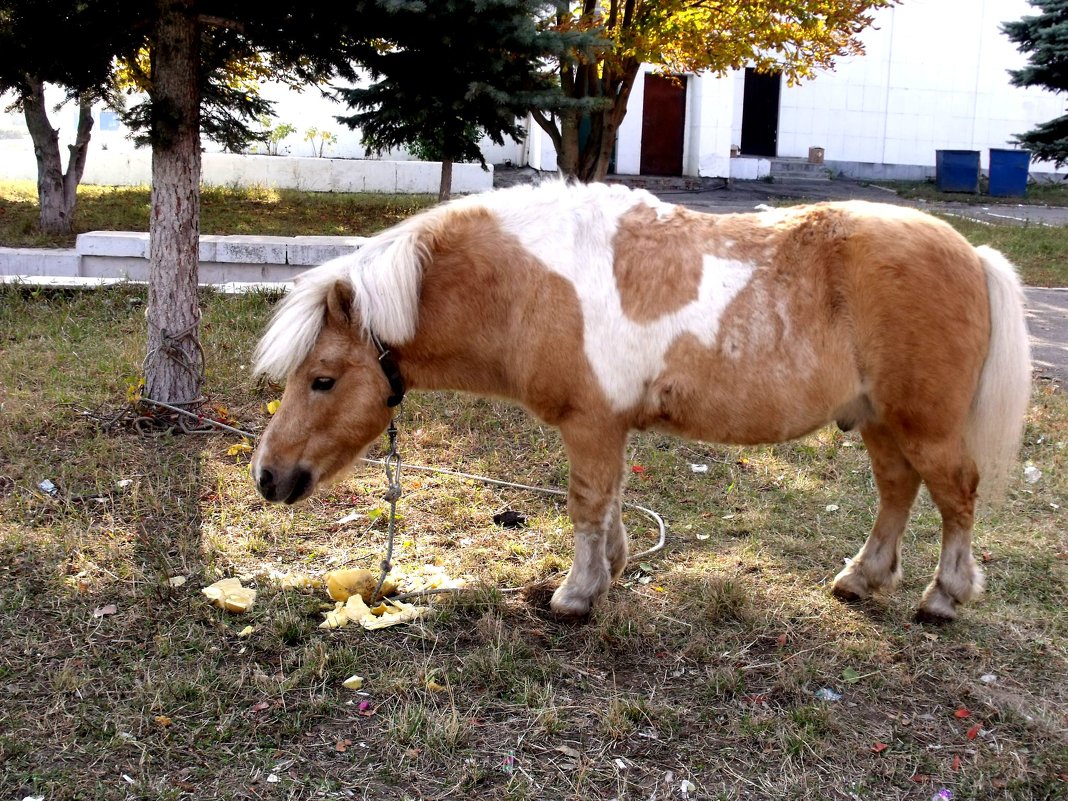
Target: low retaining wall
<point x="123" y="255"/>
<point x="117" y="168"/>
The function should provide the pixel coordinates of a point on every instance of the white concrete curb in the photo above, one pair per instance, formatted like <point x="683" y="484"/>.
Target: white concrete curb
<point x="123" y="256"/>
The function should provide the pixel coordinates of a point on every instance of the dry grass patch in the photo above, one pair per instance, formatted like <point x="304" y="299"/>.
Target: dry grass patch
<point x="702" y="665"/>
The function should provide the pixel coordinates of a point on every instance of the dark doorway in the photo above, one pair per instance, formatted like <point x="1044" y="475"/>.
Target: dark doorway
<point x="760" y="113"/>
<point x="663" y="125"/>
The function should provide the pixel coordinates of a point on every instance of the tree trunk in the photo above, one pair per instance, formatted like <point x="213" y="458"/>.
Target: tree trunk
<point x="445" y="188"/>
<point x="56" y="190"/>
<point x="174" y="364"/>
<point x="589" y="160"/>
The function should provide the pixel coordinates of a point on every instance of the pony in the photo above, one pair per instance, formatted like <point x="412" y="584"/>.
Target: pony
<point x="604" y="310"/>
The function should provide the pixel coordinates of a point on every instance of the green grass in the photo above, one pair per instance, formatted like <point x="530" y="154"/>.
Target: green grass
<point x="1040" y="252"/>
<point x="703" y="665"/>
<point x="1041" y="193"/>
<point x="257" y="210"/>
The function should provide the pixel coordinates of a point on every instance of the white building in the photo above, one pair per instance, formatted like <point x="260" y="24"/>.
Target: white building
<point x="933" y="77"/>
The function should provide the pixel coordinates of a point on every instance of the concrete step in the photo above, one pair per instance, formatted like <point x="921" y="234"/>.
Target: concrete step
<point x="791" y="169"/>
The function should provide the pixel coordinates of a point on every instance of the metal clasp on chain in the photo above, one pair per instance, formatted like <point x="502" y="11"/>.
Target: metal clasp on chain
<point x="393" y="492"/>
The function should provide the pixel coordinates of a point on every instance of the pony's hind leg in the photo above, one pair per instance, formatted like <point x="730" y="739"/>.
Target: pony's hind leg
<point x="952" y="478"/>
<point x="877" y="566"/>
<point x="593" y="504"/>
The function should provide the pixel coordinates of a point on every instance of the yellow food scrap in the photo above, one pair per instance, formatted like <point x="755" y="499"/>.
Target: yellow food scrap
<point x="353" y="683"/>
<point x="230" y="595"/>
<point x="342" y="584"/>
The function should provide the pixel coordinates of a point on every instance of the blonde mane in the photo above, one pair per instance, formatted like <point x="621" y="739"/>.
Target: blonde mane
<point x="386" y="272"/>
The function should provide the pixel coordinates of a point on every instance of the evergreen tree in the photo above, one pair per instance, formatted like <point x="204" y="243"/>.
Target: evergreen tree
<point x="447" y="74"/>
<point x="1045" y="38"/>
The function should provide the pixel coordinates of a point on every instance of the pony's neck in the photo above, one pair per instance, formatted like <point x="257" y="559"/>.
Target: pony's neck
<point x="476" y="280"/>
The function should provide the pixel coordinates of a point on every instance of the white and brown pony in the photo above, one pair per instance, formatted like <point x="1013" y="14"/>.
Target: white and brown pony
<point x="603" y="310"/>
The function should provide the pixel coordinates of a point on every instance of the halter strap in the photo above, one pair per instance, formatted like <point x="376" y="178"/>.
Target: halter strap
<point x="391" y="371"/>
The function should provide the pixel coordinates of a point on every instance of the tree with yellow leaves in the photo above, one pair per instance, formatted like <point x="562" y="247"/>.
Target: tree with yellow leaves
<point x="792" y="36"/>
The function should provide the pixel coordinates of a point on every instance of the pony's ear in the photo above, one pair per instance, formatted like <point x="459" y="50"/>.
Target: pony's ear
<point x="339" y="300"/>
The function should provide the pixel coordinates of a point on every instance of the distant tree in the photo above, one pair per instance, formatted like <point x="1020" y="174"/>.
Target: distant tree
<point x="69" y="44"/>
<point x="792" y="36"/>
<point x="447" y="74"/>
<point x="1045" y="38"/>
<point x="189" y="44"/>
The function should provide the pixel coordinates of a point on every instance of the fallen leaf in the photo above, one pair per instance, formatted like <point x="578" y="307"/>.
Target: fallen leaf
<point x="962" y="713"/>
<point x="920" y="778"/>
<point x="574" y="753"/>
<point x="341" y="746"/>
<point x="434" y="687"/>
<point x="877" y="747"/>
<point x="973" y="732"/>
<point x="637" y="469"/>
<point x="780" y="640"/>
<point x="413" y="753"/>
<point x="101" y="611"/>
<point x="239" y="447"/>
<point x="272" y="406"/>
<point x="246" y="632"/>
<point x="163" y="720"/>
<point x="260" y="706"/>
<point x="850" y="676"/>
<point x="176" y="581"/>
<point x="956" y="763"/>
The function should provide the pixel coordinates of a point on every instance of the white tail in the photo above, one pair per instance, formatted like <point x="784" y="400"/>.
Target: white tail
<point x="996" y="426"/>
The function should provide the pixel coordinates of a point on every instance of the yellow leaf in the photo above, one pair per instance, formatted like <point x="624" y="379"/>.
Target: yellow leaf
<point x="434" y="687"/>
<point x="272" y="406"/>
<point x="163" y="720"/>
<point x="246" y="632"/>
<point x="240" y="447"/>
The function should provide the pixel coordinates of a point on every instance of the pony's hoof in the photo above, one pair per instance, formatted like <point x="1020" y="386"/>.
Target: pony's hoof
<point x="937" y="606"/>
<point x="850" y="587"/>
<point x="930" y="617"/>
<point x="570" y="607"/>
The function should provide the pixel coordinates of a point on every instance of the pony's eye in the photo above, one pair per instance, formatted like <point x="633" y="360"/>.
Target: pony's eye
<point x="322" y="384"/>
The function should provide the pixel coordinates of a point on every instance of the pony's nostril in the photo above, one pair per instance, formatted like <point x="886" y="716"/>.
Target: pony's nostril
<point x="265" y="482"/>
<point x="301" y="481"/>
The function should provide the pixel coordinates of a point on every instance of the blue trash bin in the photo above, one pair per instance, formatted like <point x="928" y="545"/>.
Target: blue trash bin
<point x="957" y="170"/>
<point x="1008" y="172"/>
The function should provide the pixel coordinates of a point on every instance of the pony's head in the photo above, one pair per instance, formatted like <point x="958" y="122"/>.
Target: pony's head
<point x="337" y="395"/>
<point x="334" y="405"/>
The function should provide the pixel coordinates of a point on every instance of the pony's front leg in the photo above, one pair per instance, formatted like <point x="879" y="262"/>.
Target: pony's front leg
<point x="596" y="458"/>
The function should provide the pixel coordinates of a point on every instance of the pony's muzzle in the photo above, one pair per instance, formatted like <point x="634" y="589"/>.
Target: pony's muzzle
<point x="284" y="487"/>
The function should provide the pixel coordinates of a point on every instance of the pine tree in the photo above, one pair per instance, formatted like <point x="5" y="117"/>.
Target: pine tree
<point x="447" y="74"/>
<point x="1045" y="38"/>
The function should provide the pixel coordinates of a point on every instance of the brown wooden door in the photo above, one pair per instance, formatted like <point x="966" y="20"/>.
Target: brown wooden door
<point x="663" y="125"/>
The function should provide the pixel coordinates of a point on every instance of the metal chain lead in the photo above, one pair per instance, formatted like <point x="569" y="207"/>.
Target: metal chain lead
<point x="392" y="464"/>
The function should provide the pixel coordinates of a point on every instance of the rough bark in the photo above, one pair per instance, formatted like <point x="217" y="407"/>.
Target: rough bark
<point x="445" y="187"/>
<point x="56" y="189"/>
<point x="589" y="160"/>
<point x="174" y="364"/>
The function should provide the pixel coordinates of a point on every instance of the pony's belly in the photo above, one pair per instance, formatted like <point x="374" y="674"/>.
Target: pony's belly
<point x="782" y="395"/>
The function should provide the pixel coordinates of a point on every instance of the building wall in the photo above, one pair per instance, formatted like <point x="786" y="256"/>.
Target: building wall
<point x="934" y="76"/>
